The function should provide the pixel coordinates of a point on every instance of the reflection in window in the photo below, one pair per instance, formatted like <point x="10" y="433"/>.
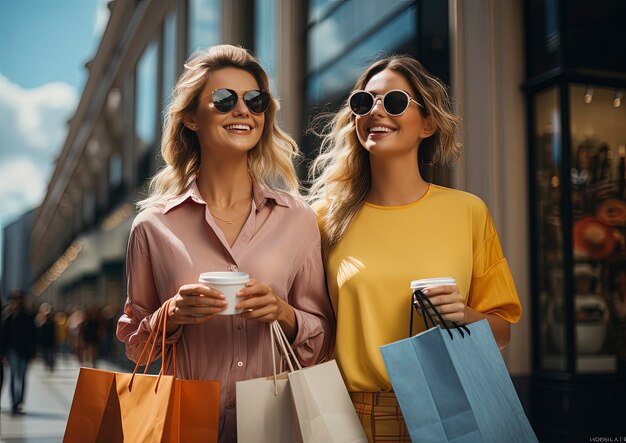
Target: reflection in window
<point x="146" y="99"/>
<point x="169" y="57"/>
<point x="265" y="27"/>
<point x="354" y="19"/>
<point x="317" y="8"/>
<point x="342" y="75"/>
<point x="204" y="24"/>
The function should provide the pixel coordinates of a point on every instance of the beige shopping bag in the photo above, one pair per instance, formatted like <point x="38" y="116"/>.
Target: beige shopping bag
<point x="323" y="406"/>
<point x="324" y="411"/>
<point x="265" y="414"/>
<point x="264" y="407"/>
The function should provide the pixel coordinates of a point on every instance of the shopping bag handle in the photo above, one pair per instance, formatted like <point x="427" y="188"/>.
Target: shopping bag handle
<point x="422" y="299"/>
<point x="281" y="343"/>
<point x="285" y="347"/>
<point x="160" y="325"/>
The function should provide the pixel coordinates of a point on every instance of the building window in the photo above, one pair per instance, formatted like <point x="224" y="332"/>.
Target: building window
<point x="115" y="180"/>
<point x="204" y="24"/>
<point x="115" y="171"/>
<point x="265" y="28"/>
<point x="340" y="46"/>
<point x="146" y="100"/>
<point x="169" y="58"/>
<point x="319" y="8"/>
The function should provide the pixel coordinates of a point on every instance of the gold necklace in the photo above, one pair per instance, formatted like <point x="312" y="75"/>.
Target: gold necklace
<point x="231" y="221"/>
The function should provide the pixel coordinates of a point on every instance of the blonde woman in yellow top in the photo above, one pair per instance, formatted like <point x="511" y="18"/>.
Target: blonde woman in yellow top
<point x="383" y="226"/>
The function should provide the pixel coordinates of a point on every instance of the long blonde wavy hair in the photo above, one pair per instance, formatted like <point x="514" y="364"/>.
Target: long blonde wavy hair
<point x="270" y="162"/>
<point x="341" y="176"/>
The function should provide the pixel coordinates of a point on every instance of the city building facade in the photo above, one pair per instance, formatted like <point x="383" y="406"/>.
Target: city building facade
<point x="16" y="269"/>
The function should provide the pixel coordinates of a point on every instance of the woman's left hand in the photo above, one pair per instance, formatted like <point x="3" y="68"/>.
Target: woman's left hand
<point x="261" y="303"/>
<point x="448" y="301"/>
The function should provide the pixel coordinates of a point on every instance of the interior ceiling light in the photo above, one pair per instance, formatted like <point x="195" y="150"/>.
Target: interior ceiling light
<point x="589" y="95"/>
<point x="617" y="100"/>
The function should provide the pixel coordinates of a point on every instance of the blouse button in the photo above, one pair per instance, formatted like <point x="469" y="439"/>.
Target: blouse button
<point x="234" y="268"/>
<point x="240" y="364"/>
<point x="230" y="405"/>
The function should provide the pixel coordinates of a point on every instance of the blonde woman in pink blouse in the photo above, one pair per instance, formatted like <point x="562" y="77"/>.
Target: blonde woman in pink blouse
<point x="226" y="200"/>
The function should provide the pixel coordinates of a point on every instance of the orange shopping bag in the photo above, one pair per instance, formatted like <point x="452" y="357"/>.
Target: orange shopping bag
<point x="117" y="407"/>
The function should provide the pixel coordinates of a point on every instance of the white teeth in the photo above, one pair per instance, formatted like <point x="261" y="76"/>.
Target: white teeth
<point x="380" y="129"/>
<point x="243" y="127"/>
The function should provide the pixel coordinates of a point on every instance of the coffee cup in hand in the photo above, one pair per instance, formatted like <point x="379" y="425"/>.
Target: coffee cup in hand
<point x="431" y="283"/>
<point x="228" y="283"/>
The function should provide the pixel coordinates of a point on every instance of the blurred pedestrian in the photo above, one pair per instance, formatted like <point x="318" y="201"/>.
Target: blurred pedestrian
<point x="90" y="335"/>
<point x="62" y="332"/>
<point x="46" y="334"/>
<point x="19" y="341"/>
<point x="74" y="325"/>
<point x="108" y="320"/>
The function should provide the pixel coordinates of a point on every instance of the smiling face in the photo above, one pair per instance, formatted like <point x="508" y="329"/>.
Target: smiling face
<point x="381" y="133"/>
<point x="236" y="131"/>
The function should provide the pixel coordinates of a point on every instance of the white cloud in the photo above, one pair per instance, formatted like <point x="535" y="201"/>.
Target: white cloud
<point x="22" y="185"/>
<point x="34" y="119"/>
<point x="33" y="127"/>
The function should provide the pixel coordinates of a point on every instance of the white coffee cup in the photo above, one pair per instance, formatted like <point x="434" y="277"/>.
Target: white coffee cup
<point x="432" y="282"/>
<point x="228" y="283"/>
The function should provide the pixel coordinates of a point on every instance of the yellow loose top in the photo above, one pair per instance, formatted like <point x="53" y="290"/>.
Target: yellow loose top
<point x="446" y="233"/>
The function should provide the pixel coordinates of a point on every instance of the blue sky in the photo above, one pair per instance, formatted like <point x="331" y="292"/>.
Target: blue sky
<point x="44" y="45"/>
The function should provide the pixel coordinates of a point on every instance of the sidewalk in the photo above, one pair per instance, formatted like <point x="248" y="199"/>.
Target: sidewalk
<point x="47" y="405"/>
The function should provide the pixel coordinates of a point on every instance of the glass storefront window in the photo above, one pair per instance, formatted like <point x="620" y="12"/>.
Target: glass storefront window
<point x="341" y="75"/>
<point x="204" y="24"/>
<point x="549" y="266"/>
<point x="598" y="178"/>
<point x="146" y="111"/>
<point x="265" y="28"/>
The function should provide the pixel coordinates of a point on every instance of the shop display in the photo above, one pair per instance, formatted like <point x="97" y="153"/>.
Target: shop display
<point x="597" y="188"/>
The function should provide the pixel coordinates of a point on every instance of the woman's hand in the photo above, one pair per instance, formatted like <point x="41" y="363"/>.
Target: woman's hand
<point x="452" y="308"/>
<point x="262" y="304"/>
<point x="448" y="301"/>
<point x="194" y="303"/>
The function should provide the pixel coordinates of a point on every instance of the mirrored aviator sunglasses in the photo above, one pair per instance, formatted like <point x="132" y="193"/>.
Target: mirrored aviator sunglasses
<point x="395" y="102"/>
<point x="225" y="100"/>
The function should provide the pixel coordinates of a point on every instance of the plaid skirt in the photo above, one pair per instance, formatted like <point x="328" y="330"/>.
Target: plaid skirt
<point x="380" y="416"/>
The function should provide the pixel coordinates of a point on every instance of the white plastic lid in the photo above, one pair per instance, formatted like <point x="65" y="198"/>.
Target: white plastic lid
<point x="224" y="278"/>
<point x="431" y="282"/>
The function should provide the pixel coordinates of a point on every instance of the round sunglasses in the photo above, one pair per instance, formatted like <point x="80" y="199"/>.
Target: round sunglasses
<point x="395" y="102"/>
<point x="225" y="100"/>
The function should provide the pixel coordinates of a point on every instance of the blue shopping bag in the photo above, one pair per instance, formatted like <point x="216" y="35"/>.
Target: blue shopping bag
<point x="456" y="388"/>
